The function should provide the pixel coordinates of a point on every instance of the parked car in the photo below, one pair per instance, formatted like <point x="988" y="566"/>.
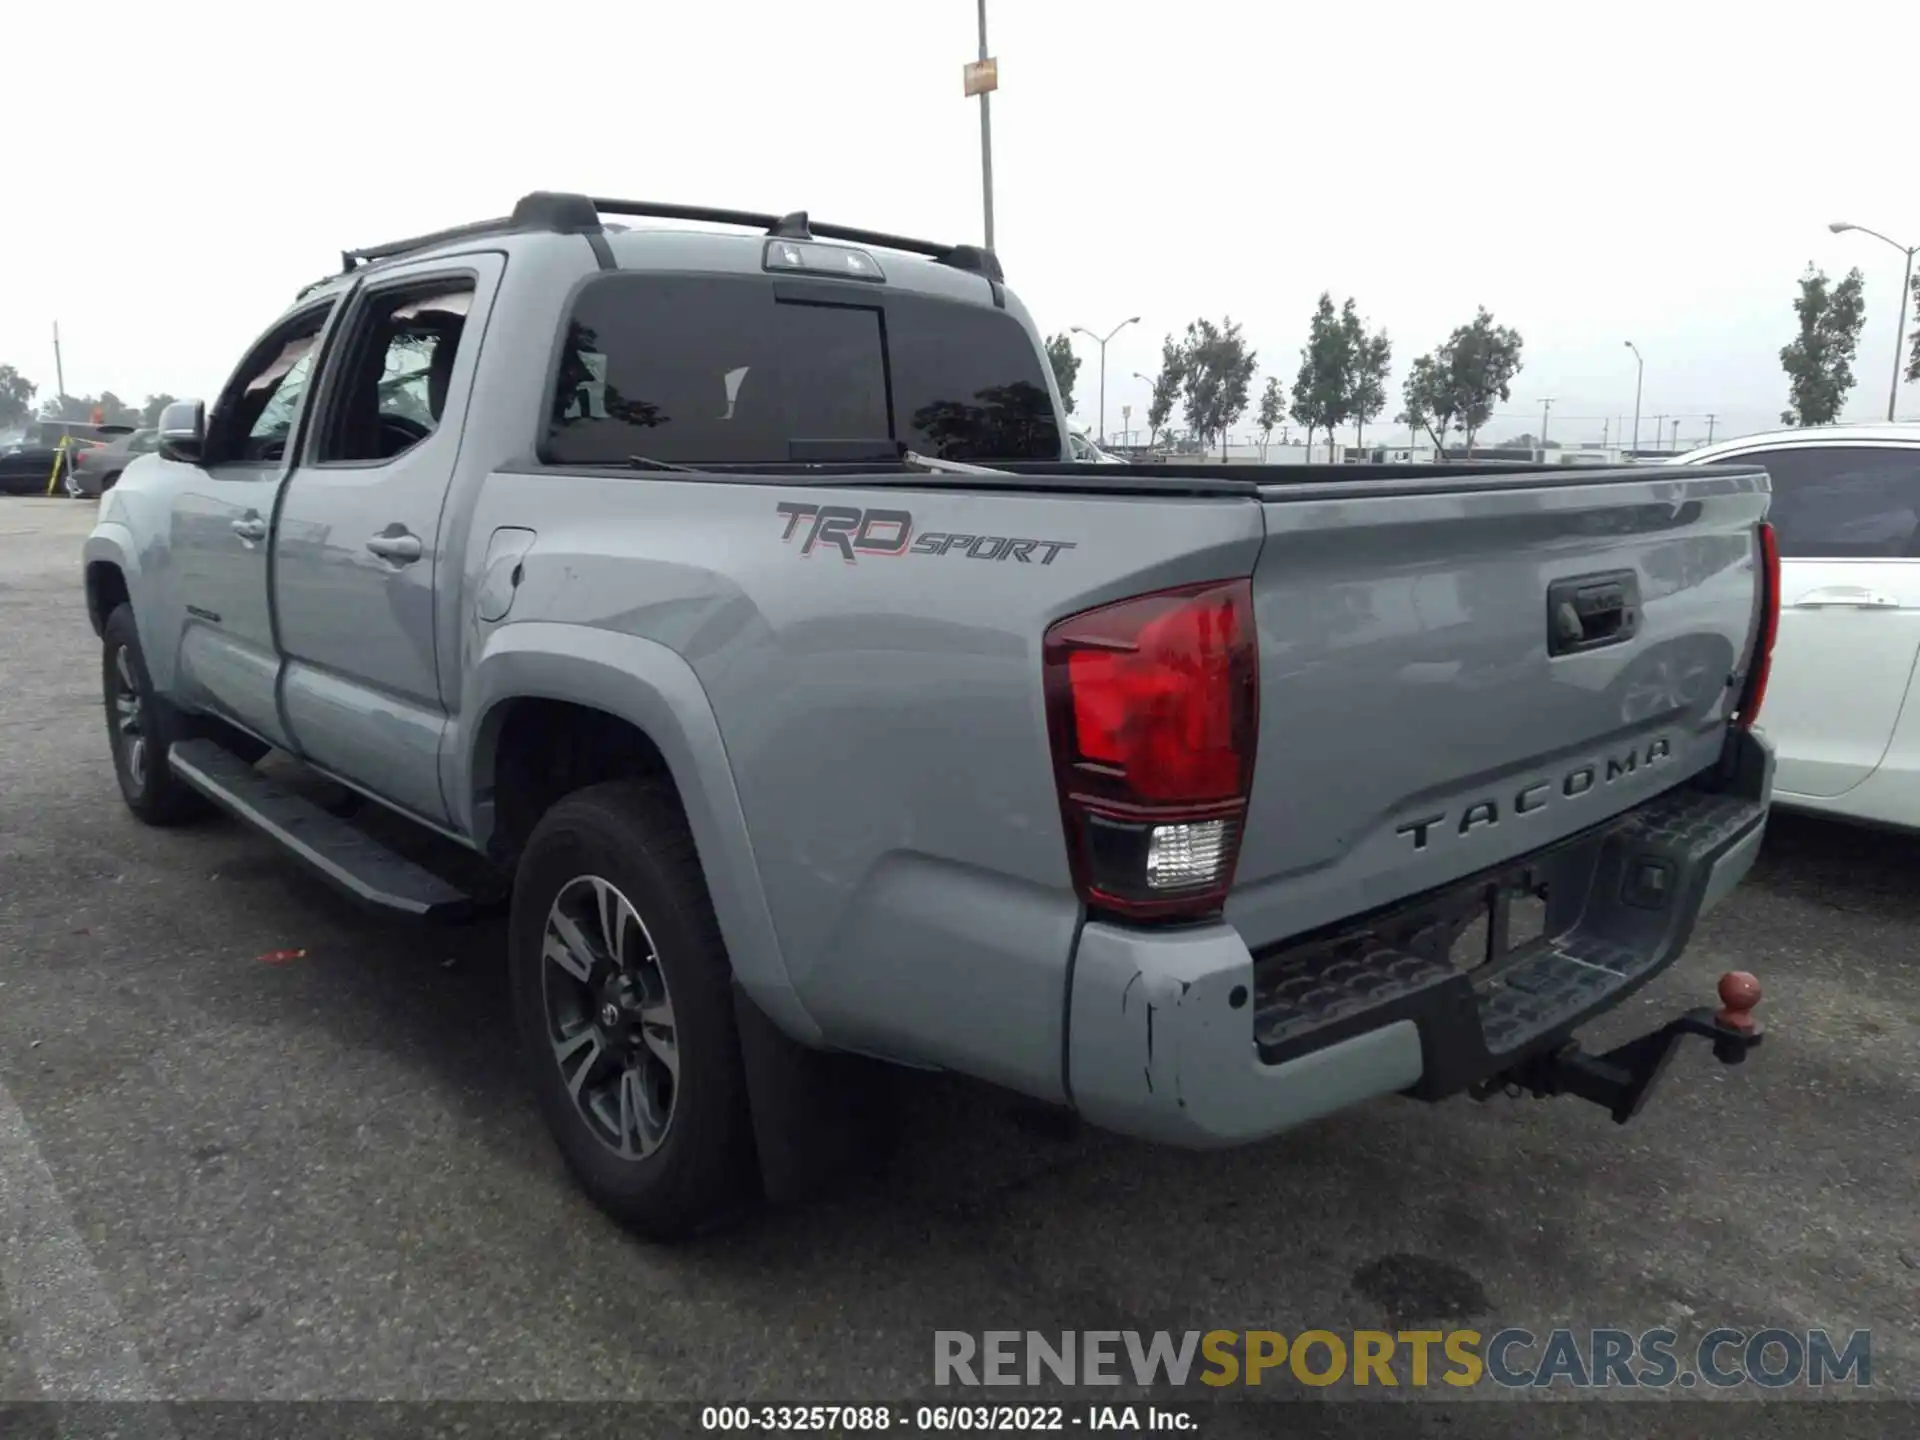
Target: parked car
<point x="26" y="465"/>
<point x="737" y="600"/>
<point x="1089" y="453"/>
<point x="1842" y="708"/>
<point x="95" y="469"/>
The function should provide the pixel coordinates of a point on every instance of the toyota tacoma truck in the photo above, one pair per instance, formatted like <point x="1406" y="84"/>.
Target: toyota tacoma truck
<point x="725" y="590"/>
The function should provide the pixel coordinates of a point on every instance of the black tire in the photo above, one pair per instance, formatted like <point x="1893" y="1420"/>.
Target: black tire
<point x="628" y="840"/>
<point x="135" y="714"/>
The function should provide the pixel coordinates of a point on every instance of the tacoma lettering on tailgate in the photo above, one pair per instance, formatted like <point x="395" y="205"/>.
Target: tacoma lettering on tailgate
<point x="1537" y="795"/>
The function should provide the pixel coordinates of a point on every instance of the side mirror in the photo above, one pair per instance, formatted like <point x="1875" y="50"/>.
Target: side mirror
<point x="183" y="430"/>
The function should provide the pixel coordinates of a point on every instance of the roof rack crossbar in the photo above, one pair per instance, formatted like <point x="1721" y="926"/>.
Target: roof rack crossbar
<point x="391" y="248"/>
<point x="564" y="213"/>
<point x="961" y="257"/>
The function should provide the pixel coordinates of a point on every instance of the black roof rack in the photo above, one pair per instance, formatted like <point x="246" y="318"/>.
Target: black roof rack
<point x="562" y="213"/>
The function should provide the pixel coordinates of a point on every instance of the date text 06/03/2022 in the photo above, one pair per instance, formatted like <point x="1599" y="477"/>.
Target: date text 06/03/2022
<point x="940" y="1419"/>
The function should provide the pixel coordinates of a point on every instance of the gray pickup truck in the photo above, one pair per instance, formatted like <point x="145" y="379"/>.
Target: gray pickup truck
<point x="731" y="594"/>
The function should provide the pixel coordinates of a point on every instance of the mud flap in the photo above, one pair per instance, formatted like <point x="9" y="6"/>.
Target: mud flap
<point x="819" y="1117"/>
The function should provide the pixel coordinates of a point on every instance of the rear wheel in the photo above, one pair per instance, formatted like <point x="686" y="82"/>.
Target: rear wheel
<point x="140" y="728"/>
<point x="623" y="999"/>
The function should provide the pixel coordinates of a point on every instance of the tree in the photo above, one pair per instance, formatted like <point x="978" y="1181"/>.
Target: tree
<point x="1913" y="360"/>
<point x="1429" y="401"/>
<point x="1481" y="360"/>
<point x="1216" y="374"/>
<point x="16" y="396"/>
<point x="1166" y="388"/>
<point x="150" y="412"/>
<point x="1273" y="409"/>
<point x="115" y="411"/>
<point x="1370" y="362"/>
<point x="111" y="408"/>
<point x="1066" y="368"/>
<point x="1323" y="384"/>
<point x="1819" y="360"/>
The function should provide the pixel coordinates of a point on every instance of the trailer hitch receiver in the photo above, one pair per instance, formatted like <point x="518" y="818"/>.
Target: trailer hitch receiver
<point x="1622" y="1079"/>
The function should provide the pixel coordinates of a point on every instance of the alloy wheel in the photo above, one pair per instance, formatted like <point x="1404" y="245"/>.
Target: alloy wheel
<point x="610" y="1017"/>
<point x="129" y="718"/>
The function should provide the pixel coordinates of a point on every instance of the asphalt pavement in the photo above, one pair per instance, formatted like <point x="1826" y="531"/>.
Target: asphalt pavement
<point x="226" y="1178"/>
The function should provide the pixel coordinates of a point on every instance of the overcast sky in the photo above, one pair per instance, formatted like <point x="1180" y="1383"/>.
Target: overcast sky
<point x="1654" y="172"/>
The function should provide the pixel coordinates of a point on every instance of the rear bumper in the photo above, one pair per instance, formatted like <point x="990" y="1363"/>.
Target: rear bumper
<point x="1190" y="1038"/>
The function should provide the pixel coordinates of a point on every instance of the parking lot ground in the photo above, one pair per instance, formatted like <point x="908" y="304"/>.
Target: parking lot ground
<point x="229" y="1179"/>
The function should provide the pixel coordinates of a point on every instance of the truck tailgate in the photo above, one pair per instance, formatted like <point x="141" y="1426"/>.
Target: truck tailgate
<point x="1419" y="719"/>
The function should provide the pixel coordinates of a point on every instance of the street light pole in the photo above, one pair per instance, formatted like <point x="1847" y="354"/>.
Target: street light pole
<point x="1152" y="435"/>
<point x="1840" y="227"/>
<point x="986" y="135"/>
<point x="1640" y="376"/>
<point x="1101" y="341"/>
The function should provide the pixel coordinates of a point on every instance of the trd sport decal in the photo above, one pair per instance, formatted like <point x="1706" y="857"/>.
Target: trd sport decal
<point x="890" y="532"/>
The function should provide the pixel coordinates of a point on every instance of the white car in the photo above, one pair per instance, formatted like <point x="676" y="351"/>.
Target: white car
<point x="1842" y="708"/>
<point x="1088" y="453"/>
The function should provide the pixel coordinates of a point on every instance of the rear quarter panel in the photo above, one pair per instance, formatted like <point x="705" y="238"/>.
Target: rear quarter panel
<point x="882" y="717"/>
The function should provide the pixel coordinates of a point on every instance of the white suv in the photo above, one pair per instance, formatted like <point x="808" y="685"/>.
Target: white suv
<point x="1846" y="511"/>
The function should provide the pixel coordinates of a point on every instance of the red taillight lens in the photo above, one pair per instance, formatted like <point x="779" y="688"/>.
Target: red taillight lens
<point x="1153" y="705"/>
<point x="1762" y="670"/>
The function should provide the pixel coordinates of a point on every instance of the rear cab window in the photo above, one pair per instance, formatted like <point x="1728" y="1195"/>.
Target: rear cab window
<point x="732" y="370"/>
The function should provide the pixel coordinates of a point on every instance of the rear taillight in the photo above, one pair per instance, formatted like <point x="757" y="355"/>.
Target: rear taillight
<point x="1757" y="677"/>
<point x="1152" y="705"/>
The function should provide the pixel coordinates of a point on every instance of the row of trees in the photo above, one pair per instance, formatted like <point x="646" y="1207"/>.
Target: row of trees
<point x="1208" y="374"/>
<point x="17" y="396"/>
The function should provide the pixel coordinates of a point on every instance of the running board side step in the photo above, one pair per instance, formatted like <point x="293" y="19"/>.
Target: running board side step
<point x="327" y="845"/>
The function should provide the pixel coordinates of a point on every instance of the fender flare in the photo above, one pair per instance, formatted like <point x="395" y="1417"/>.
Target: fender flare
<point x="110" y="544"/>
<point x="654" y="689"/>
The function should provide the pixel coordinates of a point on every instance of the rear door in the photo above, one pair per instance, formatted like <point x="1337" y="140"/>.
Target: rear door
<point x="1847" y="515"/>
<point x="358" y="541"/>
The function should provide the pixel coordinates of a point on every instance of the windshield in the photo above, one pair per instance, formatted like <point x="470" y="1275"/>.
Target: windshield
<point x="722" y="370"/>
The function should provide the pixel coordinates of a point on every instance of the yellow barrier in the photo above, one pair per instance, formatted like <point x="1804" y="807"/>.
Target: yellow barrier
<point x="59" y="454"/>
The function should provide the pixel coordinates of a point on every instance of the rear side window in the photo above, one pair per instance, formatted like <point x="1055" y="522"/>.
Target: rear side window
<point x="1843" y="502"/>
<point x="721" y="370"/>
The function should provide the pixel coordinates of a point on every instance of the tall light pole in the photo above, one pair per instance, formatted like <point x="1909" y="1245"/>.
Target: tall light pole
<point x="1101" y="341"/>
<point x="983" y="78"/>
<point x="1152" y="435"/>
<point x="1639" y="376"/>
<point x="1840" y="227"/>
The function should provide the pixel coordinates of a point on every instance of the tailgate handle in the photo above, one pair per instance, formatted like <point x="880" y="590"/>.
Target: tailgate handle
<point x="1588" y="612"/>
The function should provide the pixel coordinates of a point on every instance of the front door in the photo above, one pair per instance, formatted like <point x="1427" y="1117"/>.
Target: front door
<point x="358" y="547"/>
<point x="1847" y="516"/>
<point x="222" y="519"/>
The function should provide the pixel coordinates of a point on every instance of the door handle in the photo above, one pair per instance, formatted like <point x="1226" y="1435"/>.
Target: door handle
<point x="250" y="529"/>
<point x="1845" y="597"/>
<point x="402" y="549"/>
